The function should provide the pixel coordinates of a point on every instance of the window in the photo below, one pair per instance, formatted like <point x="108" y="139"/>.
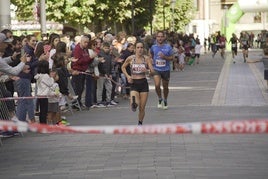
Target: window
<point x="226" y="4"/>
<point x="257" y="17"/>
<point x="196" y="5"/>
<point x="194" y="29"/>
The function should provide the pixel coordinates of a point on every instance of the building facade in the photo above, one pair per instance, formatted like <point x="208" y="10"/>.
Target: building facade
<point x="211" y="17"/>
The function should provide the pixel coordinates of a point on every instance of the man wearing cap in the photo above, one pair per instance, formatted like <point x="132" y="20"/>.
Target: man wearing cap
<point x="4" y="67"/>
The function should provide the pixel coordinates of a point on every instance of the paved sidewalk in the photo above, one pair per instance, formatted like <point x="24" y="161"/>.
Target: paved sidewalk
<point x="214" y="90"/>
<point x="241" y="83"/>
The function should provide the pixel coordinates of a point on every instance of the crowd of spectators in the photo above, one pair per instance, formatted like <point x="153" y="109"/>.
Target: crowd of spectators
<point x="86" y="68"/>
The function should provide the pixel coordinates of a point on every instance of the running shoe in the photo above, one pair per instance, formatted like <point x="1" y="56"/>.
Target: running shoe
<point x="134" y="105"/>
<point x="75" y="97"/>
<point x="93" y="106"/>
<point x="140" y="123"/>
<point x="113" y="102"/>
<point x="159" y="104"/>
<point x="63" y="108"/>
<point x="165" y="106"/>
<point x="59" y="123"/>
<point x="15" y="119"/>
<point x="100" y="105"/>
<point x="6" y="134"/>
<point x="110" y="104"/>
<point x="63" y="122"/>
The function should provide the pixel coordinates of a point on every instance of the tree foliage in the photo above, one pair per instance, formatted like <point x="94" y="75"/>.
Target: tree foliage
<point x="180" y="16"/>
<point x="117" y="14"/>
<point x="24" y="9"/>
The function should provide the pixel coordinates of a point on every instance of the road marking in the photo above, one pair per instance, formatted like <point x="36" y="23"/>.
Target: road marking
<point x="185" y="88"/>
<point x="221" y="88"/>
<point x="260" y="80"/>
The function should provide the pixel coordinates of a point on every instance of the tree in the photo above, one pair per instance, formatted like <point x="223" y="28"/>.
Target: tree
<point x="24" y="9"/>
<point x="183" y="13"/>
<point x="96" y="15"/>
<point x="117" y="14"/>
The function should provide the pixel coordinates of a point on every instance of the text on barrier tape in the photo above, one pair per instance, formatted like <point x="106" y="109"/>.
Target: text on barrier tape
<point x="255" y="126"/>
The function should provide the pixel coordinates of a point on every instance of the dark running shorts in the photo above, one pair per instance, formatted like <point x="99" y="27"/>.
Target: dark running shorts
<point x="234" y="49"/>
<point x="139" y="85"/>
<point x="245" y="47"/>
<point x="165" y="75"/>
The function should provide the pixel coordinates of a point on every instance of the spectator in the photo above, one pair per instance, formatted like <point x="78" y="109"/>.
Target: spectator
<point x="80" y="65"/>
<point x="44" y="83"/>
<point x="6" y="69"/>
<point x="124" y="55"/>
<point x="104" y="80"/>
<point x="53" y="41"/>
<point x="23" y="84"/>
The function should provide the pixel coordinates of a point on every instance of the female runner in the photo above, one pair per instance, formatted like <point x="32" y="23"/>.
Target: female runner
<point x="139" y="87"/>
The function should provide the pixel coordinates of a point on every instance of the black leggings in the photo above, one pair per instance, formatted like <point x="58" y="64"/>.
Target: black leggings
<point x="43" y="103"/>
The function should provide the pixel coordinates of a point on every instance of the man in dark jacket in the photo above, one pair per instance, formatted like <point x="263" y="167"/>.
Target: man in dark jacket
<point x="23" y="84"/>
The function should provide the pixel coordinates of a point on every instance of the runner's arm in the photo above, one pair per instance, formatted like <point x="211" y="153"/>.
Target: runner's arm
<point x="124" y="66"/>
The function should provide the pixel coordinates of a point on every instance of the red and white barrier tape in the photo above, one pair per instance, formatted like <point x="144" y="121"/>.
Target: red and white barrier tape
<point x="116" y="83"/>
<point x="24" y="97"/>
<point x="255" y="126"/>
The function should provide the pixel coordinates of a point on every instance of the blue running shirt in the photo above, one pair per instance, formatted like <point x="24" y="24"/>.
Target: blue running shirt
<point x="160" y="64"/>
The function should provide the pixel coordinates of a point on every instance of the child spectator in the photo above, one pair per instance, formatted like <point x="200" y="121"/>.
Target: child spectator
<point x="124" y="55"/>
<point x="192" y="57"/>
<point x="53" y="103"/>
<point x="105" y="70"/>
<point x="60" y="62"/>
<point x="187" y="51"/>
<point x="198" y="48"/>
<point x="175" y="56"/>
<point x="181" y="59"/>
<point x="44" y="84"/>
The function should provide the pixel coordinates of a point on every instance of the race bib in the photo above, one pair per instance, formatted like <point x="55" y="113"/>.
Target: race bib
<point x="233" y="45"/>
<point x="138" y="68"/>
<point x="160" y="63"/>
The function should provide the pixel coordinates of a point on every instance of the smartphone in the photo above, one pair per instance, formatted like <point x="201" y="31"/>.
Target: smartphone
<point x="22" y="52"/>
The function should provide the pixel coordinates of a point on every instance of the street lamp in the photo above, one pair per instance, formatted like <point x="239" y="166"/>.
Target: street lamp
<point x="225" y="18"/>
<point x="43" y="16"/>
<point x="164" y="16"/>
<point x="132" y="17"/>
<point x="151" y="17"/>
<point x="5" y="19"/>
<point x="173" y="6"/>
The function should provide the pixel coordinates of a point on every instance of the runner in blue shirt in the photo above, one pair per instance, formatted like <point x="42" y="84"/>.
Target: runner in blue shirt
<point x="161" y="54"/>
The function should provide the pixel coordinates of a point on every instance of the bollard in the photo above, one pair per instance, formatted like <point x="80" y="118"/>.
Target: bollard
<point x="265" y="64"/>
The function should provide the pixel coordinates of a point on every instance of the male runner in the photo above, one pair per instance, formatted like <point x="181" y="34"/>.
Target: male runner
<point x="162" y="54"/>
